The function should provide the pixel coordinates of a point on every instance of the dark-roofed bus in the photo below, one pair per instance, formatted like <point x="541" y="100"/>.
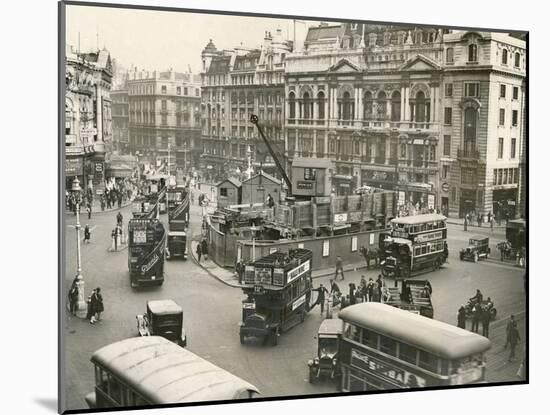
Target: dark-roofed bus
<point x="151" y="370"/>
<point x="384" y="347"/>
<point x="417" y="244"/>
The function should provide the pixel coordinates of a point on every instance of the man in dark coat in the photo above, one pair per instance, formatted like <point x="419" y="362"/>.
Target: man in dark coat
<point x="204" y="249"/>
<point x="514" y="339"/>
<point x="370" y="290"/>
<point x="379" y="285"/>
<point x="461" y="317"/>
<point x="73" y="298"/>
<point x="339" y="268"/>
<point x="321" y="297"/>
<point x="465" y="223"/>
<point x="485" y="320"/>
<point x="477" y="312"/>
<point x="509" y="326"/>
<point x="97" y="299"/>
<point x="119" y="219"/>
<point x="199" y="252"/>
<point x="87" y="234"/>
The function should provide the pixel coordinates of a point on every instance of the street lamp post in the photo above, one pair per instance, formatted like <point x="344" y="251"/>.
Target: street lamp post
<point x="79" y="279"/>
<point x="253" y="232"/>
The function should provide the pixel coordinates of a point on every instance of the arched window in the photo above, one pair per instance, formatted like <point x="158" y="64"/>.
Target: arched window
<point x="396" y="106"/>
<point x="321" y="105"/>
<point x="367" y="105"/>
<point x="422" y="108"/>
<point x="382" y="104"/>
<point x="504" y="56"/>
<point x="472" y="52"/>
<point x="308" y="106"/>
<point x="470" y="124"/>
<point x="291" y="106"/>
<point x="347" y="107"/>
<point x="516" y="59"/>
<point x="450" y="56"/>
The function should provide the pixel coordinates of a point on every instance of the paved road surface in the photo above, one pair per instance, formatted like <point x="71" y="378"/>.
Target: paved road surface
<point x="212" y="310"/>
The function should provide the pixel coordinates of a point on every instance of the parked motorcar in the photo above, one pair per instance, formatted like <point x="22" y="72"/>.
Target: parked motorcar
<point x="478" y="247"/>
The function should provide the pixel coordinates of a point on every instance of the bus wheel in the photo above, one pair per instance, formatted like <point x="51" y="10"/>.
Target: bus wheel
<point x="437" y="264"/>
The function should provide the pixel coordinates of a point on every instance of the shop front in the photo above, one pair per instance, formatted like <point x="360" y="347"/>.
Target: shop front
<point x="468" y="202"/>
<point x="504" y="203"/>
<point x="415" y="198"/>
<point x="74" y="167"/>
<point x="380" y="179"/>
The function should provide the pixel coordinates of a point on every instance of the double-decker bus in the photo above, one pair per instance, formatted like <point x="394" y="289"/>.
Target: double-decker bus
<point x="278" y="288"/>
<point x="415" y="244"/>
<point x="175" y="195"/>
<point x="151" y="370"/>
<point x="383" y="347"/>
<point x="146" y="247"/>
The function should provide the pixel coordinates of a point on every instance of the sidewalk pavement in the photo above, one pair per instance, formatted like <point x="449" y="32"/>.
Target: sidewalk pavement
<point x="229" y="277"/>
<point x="96" y="208"/>
<point x="486" y="225"/>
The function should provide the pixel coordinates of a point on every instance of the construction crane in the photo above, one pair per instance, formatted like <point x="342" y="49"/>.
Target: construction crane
<point x="275" y="155"/>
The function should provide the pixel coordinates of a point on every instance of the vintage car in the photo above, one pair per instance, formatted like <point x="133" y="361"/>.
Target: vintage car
<point x="176" y="245"/>
<point x="326" y="364"/>
<point x="163" y="318"/>
<point x="478" y="247"/>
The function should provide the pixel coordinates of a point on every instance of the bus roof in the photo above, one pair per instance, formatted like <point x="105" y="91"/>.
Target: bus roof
<point x="163" y="372"/>
<point x="160" y="307"/>
<point x="419" y="219"/>
<point x="441" y="339"/>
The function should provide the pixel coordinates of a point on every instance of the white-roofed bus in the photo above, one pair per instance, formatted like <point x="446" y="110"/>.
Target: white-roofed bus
<point x="383" y="347"/>
<point x="151" y="370"/>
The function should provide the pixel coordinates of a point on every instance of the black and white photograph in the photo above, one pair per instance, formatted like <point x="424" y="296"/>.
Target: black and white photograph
<point x="257" y="207"/>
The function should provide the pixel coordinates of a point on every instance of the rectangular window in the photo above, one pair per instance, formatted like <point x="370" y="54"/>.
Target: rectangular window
<point x="163" y="106"/>
<point x="504" y="176"/>
<point x="471" y="89"/>
<point x="178" y="90"/>
<point x="515" y="93"/>
<point x="513" y="148"/>
<point x="163" y="119"/>
<point x="163" y="89"/>
<point x="446" y="145"/>
<point x="427" y="361"/>
<point x="445" y="173"/>
<point x="515" y="118"/>
<point x="516" y="59"/>
<point x="503" y="91"/>
<point x="223" y="192"/>
<point x="500" y="147"/>
<point x="448" y="90"/>
<point x="495" y="172"/>
<point x="468" y="176"/>
<point x="197" y="92"/>
<point x="516" y="178"/>
<point x="448" y="116"/>
<point x="501" y="116"/>
<point x="499" y="182"/>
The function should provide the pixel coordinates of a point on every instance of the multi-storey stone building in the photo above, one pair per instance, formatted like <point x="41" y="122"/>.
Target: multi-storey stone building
<point x="121" y="132"/>
<point x="483" y="133"/>
<point x="236" y="84"/>
<point x="367" y="97"/>
<point x="164" y="117"/>
<point x="88" y="121"/>
<point x="436" y="116"/>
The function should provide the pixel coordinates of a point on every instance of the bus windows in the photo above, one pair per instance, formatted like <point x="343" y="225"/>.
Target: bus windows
<point x="115" y="389"/>
<point x="101" y="380"/>
<point x="352" y="332"/>
<point x="369" y="339"/>
<point x="428" y="361"/>
<point x="388" y="346"/>
<point x="407" y="353"/>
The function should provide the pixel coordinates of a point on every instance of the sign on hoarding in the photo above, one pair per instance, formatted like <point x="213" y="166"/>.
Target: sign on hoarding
<point x="73" y="167"/>
<point x="431" y="201"/>
<point x="303" y="185"/>
<point x="340" y="218"/>
<point x="385" y="370"/>
<point x="401" y="198"/>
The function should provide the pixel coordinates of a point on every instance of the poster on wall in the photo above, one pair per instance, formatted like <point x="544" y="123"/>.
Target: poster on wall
<point x="342" y="83"/>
